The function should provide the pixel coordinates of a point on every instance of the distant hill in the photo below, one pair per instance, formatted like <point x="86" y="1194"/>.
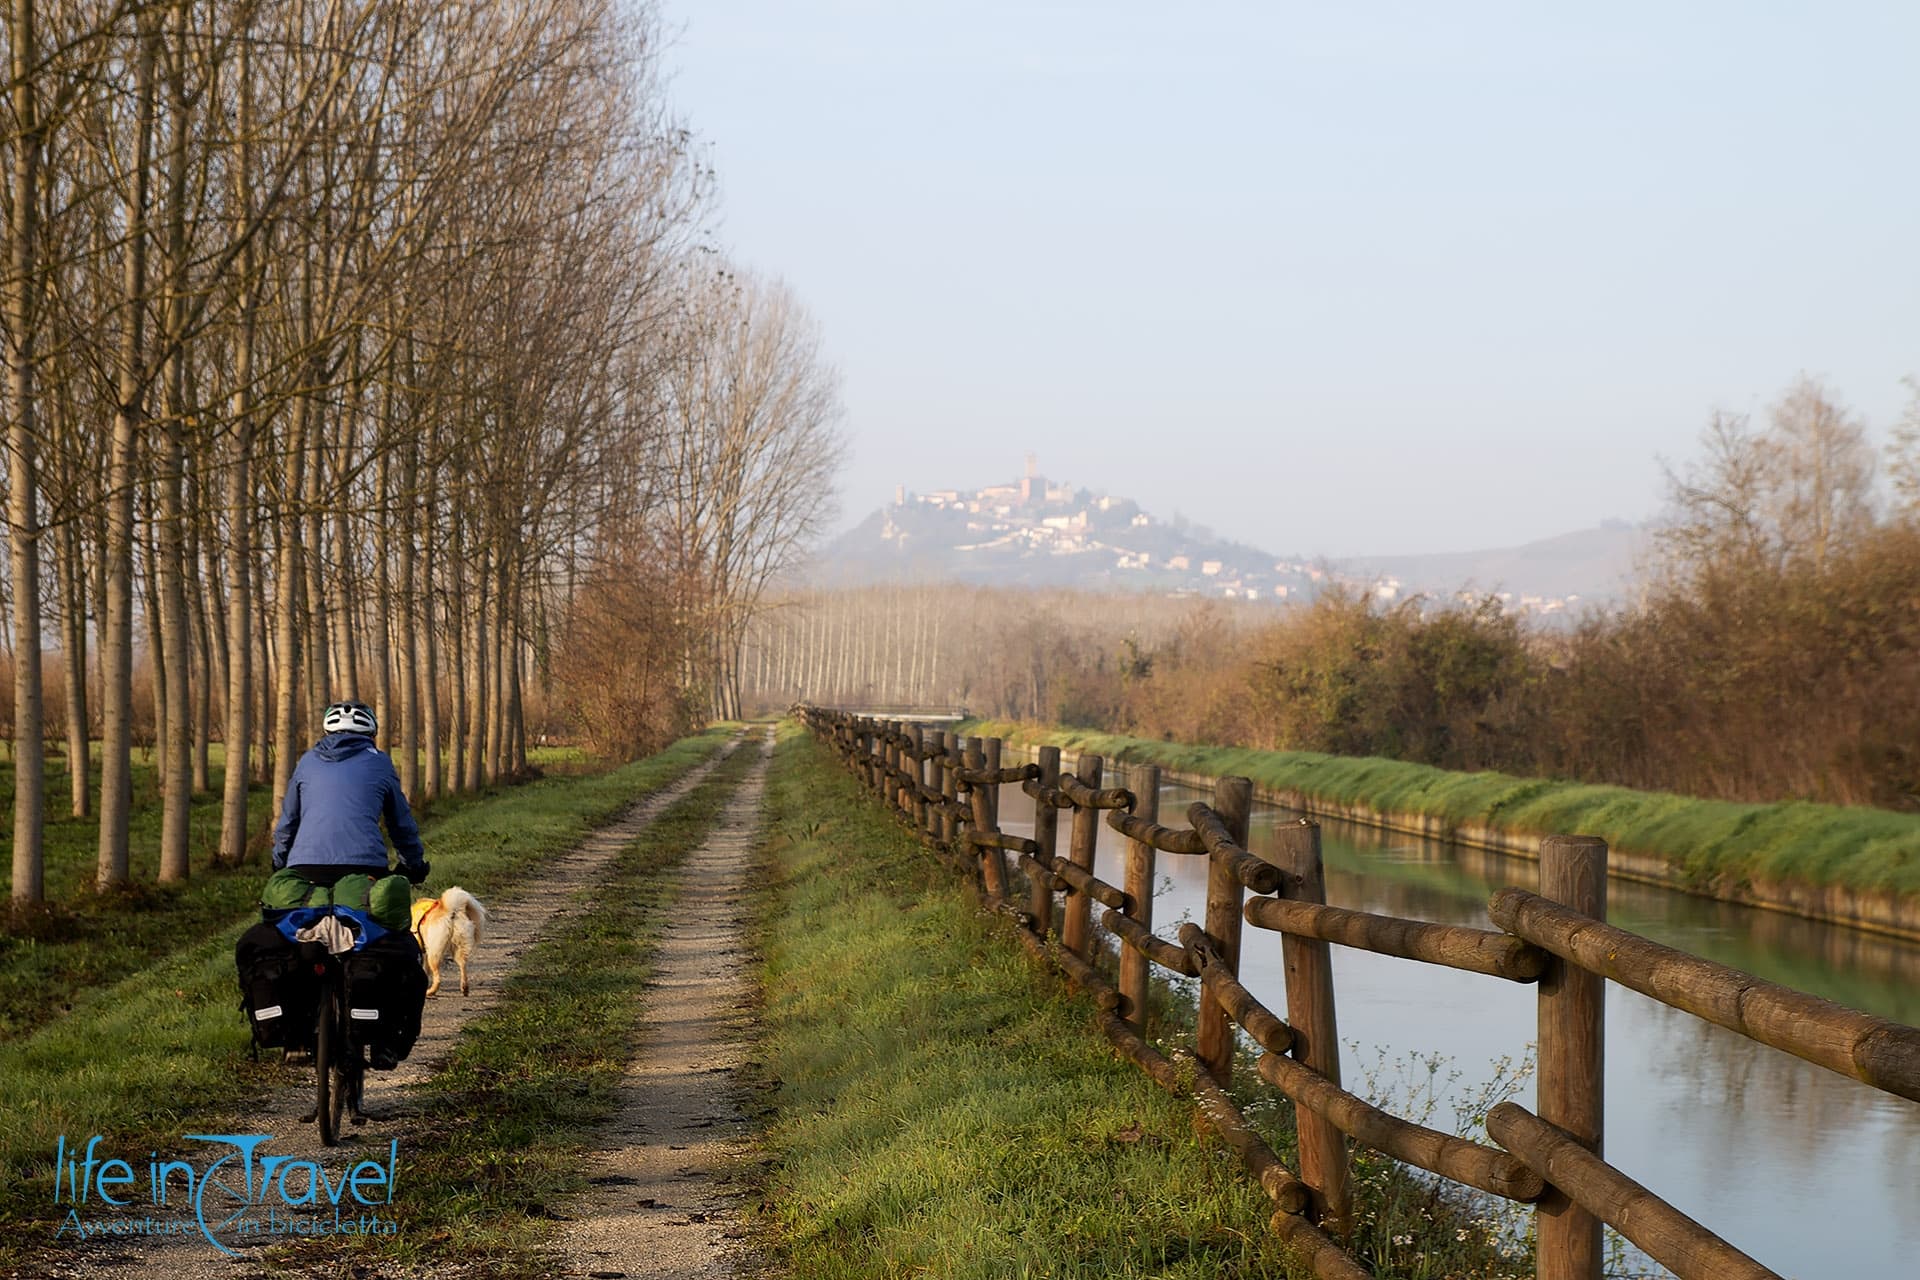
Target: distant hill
<point x="1596" y="565"/>
<point x="1035" y="532"/>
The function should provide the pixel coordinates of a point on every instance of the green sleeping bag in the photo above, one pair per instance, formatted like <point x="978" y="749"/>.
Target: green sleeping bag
<point x="388" y="900"/>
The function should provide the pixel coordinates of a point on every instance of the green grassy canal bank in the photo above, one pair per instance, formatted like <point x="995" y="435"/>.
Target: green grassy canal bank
<point x="1851" y="866"/>
<point x="941" y="1106"/>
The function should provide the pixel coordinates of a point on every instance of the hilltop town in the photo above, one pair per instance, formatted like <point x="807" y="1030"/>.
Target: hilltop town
<point x="1035" y="531"/>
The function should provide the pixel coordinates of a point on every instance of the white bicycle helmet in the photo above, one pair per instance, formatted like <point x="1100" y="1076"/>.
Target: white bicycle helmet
<point x="350" y="717"/>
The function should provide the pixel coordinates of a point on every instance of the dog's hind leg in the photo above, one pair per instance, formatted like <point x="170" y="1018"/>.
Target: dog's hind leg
<point x="432" y="959"/>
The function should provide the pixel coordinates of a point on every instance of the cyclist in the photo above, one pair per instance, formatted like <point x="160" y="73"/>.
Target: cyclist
<point x="338" y="796"/>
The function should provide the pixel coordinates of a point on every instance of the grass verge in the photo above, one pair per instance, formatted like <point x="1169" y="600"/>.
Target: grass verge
<point x="940" y="1110"/>
<point x="1872" y="850"/>
<point x="136" y="1060"/>
<point x="944" y="1110"/>
<point x="528" y="1083"/>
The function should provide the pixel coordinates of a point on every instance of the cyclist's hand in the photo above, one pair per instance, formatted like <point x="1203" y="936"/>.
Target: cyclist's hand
<point x="418" y="875"/>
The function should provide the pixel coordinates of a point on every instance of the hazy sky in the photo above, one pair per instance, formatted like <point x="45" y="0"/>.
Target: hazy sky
<point x="1333" y="278"/>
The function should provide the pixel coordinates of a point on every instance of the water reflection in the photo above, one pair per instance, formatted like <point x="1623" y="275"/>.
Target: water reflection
<point x="1730" y="1131"/>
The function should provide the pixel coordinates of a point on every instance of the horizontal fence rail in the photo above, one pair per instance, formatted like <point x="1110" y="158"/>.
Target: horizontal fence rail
<point x="947" y="787"/>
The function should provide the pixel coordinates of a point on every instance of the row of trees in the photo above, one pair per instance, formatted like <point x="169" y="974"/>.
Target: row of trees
<point x="347" y="345"/>
<point x="1001" y="652"/>
<point x="1774" y="652"/>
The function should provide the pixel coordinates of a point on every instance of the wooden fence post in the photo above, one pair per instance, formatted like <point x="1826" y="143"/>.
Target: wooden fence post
<point x="896" y="793"/>
<point x="1308" y="966"/>
<point x="1077" y="923"/>
<point x="1046" y="834"/>
<point x="917" y="767"/>
<point x="935" y="745"/>
<point x="1145" y="784"/>
<point x="949" y="788"/>
<point x="993" y="789"/>
<point x="993" y="868"/>
<point x="1572" y="1033"/>
<point x="1213" y="1034"/>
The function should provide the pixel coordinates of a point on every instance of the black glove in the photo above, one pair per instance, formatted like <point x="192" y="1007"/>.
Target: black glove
<point x="417" y="875"/>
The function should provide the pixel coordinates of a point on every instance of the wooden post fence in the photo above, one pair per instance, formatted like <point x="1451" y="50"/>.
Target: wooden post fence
<point x="1557" y="938"/>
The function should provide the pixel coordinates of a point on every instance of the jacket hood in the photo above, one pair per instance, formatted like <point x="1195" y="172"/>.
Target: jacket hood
<point x="342" y="746"/>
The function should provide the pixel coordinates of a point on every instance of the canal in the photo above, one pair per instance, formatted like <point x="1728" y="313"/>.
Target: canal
<point x="1812" y="1174"/>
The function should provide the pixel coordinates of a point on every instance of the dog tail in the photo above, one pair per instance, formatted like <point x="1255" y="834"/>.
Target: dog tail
<point x="465" y="909"/>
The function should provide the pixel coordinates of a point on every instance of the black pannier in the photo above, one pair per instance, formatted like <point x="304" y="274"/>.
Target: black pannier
<point x="386" y="991"/>
<point x="279" y="993"/>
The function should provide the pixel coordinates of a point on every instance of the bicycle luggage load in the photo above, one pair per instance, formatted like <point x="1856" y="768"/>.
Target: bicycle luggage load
<point x="278" y="993"/>
<point x="384" y="900"/>
<point x="386" y="992"/>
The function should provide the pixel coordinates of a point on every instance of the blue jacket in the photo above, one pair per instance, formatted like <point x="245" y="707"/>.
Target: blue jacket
<point x="336" y="799"/>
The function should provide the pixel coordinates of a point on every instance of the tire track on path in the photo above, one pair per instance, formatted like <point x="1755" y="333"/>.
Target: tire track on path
<point x="663" y="1203"/>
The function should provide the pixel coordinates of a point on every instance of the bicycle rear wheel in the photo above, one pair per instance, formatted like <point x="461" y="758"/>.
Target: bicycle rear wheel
<point x="346" y="1089"/>
<point x="327" y="1046"/>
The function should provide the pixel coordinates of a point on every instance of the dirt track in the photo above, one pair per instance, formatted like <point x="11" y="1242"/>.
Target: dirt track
<point x="661" y="1204"/>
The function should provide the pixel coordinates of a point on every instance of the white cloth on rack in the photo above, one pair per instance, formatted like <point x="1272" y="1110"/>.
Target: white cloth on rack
<point x="330" y="933"/>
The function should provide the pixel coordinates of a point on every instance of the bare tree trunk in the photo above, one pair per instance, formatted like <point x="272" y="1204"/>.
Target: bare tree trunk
<point x="263" y="673"/>
<point x="239" y="730"/>
<point x="286" y="640"/>
<point x="168" y="570"/>
<point x="216" y="647"/>
<point x="23" y="518"/>
<point x="116" y="650"/>
<point x="477" y="665"/>
<point x="346" y="658"/>
<point x="430" y="652"/>
<point x="73" y="640"/>
<point x="377" y="633"/>
<point x="516" y="707"/>
<point x="497" y="680"/>
<point x="200" y="659"/>
<point x="238" y="736"/>
<point x="314" y="582"/>
<point x="410" y="624"/>
<point x="151" y="610"/>
<point x="203" y="559"/>
<point x="170" y="667"/>
<point x="458" y="627"/>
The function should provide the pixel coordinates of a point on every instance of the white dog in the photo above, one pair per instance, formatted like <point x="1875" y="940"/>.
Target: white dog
<point x="452" y="919"/>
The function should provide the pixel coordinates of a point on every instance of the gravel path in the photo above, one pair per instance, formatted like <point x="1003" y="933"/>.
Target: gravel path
<point x="663" y="1202"/>
<point x="513" y="925"/>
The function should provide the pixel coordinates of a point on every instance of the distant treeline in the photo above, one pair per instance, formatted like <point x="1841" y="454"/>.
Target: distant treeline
<point x="1774" y="654"/>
